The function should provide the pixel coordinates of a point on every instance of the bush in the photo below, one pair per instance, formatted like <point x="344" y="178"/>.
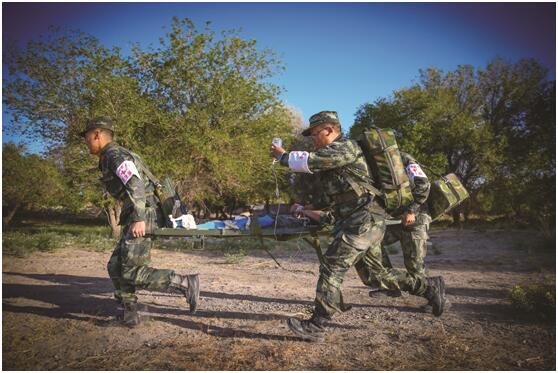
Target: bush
<point x="536" y="299"/>
<point x="23" y="241"/>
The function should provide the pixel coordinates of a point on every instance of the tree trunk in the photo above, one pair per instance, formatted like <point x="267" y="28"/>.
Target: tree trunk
<point x="113" y="215"/>
<point x="8" y="218"/>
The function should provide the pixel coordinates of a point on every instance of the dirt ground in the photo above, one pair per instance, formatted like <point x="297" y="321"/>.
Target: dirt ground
<point x="58" y="313"/>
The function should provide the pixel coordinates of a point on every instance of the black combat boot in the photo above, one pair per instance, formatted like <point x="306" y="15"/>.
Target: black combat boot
<point x="312" y="330"/>
<point x="436" y="294"/>
<point x="189" y="286"/>
<point x="131" y="316"/>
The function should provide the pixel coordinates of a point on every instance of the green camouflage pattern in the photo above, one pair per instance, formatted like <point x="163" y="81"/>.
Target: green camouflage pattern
<point x="382" y="154"/>
<point x="136" y="190"/>
<point x="420" y="188"/>
<point x="445" y="194"/>
<point x="326" y="164"/>
<point x="167" y="195"/>
<point x="412" y="237"/>
<point x="355" y="237"/>
<point x="357" y="224"/>
<point x="128" y="266"/>
<point x="321" y="118"/>
<point x="413" y="244"/>
<point x="99" y="122"/>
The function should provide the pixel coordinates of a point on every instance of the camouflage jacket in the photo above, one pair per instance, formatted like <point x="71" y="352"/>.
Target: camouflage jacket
<point x="123" y="177"/>
<point x="327" y="163"/>
<point x="420" y="185"/>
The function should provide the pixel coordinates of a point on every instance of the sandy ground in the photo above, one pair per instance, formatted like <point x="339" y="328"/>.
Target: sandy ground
<point x="58" y="313"/>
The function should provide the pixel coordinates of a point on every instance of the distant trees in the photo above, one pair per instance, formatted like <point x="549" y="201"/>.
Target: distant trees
<point x="495" y="128"/>
<point x="28" y="180"/>
<point x="199" y="109"/>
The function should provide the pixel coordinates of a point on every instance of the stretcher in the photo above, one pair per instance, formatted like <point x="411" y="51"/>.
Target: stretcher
<point x="308" y="233"/>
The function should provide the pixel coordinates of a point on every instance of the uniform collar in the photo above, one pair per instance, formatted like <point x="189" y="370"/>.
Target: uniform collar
<point x="105" y="149"/>
<point x="108" y="146"/>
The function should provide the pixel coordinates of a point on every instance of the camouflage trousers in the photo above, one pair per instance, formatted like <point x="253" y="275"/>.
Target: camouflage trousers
<point x="128" y="266"/>
<point x="413" y="244"/>
<point x="351" y="240"/>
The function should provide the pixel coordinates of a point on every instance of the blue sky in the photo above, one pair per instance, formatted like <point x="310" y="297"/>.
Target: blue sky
<point x="338" y="56"/>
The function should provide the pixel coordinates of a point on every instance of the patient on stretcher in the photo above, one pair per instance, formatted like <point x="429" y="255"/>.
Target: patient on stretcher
<point x="296" y="218"/>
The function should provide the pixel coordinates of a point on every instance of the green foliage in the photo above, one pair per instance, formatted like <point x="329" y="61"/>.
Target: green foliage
<point x="538" y="300"/>
<point x="220" y="113"/>
<point x="48" y="237"/>
<point x="28" y="180"/>
<point x="199" y="109"/>
<point x="494" y="128"/>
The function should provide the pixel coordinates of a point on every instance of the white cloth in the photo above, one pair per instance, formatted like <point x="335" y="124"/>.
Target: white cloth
<point x="184" y="221"/>
<point x="298" y="161"/>
<point x="126" y="170"/>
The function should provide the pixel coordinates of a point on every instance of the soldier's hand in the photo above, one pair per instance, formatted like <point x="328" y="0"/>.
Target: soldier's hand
<point x="409" y="218"/>
<point x="276" y="151"/>
<point x="137" y="229"/>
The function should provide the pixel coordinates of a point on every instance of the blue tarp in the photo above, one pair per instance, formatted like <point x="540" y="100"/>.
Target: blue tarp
<point x="239" y="222"/>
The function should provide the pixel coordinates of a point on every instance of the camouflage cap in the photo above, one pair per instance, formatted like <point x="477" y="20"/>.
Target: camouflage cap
<point x="321" y="118"/>
<point x="98" y="122"/>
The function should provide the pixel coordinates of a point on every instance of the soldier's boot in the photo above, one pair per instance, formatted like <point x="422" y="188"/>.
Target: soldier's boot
<point x="189" y="286"/>
<point x="396" y="293"/>
<point x="131" y="316"/>
<point x="312" y="330"/>
<point x="427" y="308"/>
<point x="436" y="294"/>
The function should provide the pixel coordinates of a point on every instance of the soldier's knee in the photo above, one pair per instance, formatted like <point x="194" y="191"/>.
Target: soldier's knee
<point x="129" y="273"/>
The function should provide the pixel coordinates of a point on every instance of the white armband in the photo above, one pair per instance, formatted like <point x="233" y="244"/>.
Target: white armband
<point x="126" y="170"/>
<point x="414" y="170"/>
<point x="298" y="161"/>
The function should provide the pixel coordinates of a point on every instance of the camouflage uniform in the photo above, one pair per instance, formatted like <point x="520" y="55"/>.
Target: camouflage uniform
<point x="124" y="177"/>
<point x="359" y="223"/>
<point x="128" y="266"/>
<point x="359" y="226"/>
<point x="412" y="237"/>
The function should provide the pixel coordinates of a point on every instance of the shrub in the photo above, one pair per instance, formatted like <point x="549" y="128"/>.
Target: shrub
<point x="536" y="299"/>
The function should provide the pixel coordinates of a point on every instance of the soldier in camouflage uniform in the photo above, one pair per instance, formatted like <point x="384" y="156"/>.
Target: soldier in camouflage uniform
<point x="359" y="221"/>
<point x="412" y="232"/>
<point x="124" y="178"/>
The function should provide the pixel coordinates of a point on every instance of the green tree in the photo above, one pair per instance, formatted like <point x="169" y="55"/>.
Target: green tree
<point x="28" y="180"/>
<point x="54" y="84"/>
<point x="494" y="128"/>
<point x="221" y="113"/>
<point x="200" y="109"/>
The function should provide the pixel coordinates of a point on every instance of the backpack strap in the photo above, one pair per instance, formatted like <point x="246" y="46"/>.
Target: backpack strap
<point x="352" y="177"/>
<point x="145" y="170"/>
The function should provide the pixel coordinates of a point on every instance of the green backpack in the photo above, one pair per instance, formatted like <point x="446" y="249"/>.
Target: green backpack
<point x="382" y="155"/>
<point x="389" y="178"/>
<point x="165" y="191"/>
<point x="446" y="193"/>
